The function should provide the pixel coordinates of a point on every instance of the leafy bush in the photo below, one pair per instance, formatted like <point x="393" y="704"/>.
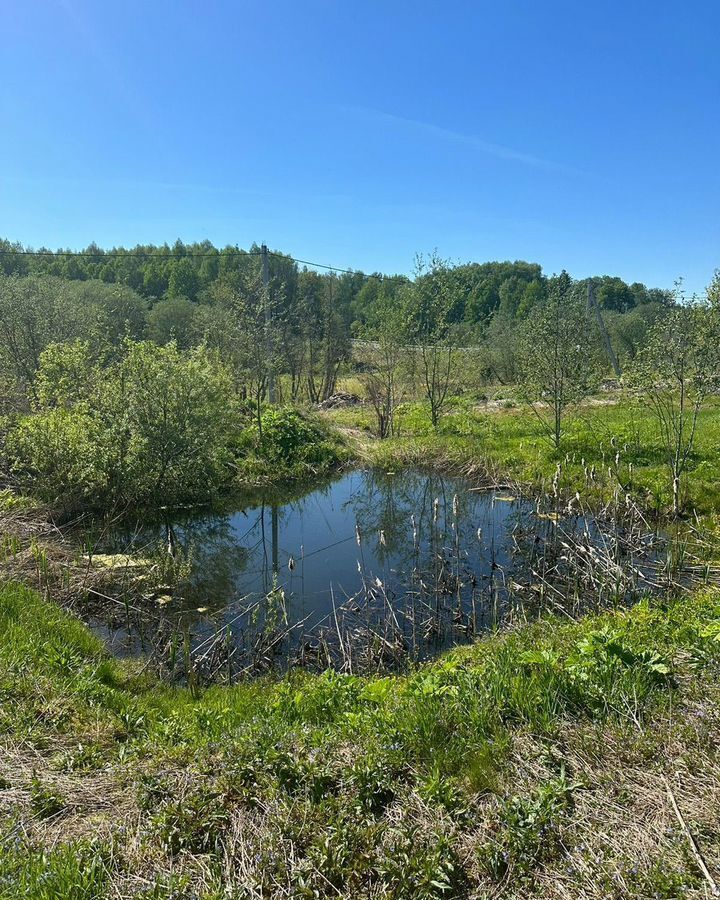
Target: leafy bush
<point x="291" y="445"/>
<point x="288" y="437"/>
<point x="60" y="456"/>
<point x="153" y="426"/>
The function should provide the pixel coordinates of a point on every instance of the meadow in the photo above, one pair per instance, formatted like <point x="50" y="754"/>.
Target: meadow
<point x="613" y="435"/>
<point x="559" y="758"/>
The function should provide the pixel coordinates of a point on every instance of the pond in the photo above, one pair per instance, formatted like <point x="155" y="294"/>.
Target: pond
<point x="366" y="571"/>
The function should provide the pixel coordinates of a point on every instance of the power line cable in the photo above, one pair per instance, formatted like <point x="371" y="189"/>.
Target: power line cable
<point x="133" y="254"/>
<point x="101" y="255"/>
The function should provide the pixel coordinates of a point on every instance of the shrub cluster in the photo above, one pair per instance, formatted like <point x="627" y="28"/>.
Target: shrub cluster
<point x="150" y="426"/>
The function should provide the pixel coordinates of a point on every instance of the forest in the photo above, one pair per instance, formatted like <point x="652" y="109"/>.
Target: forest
<point x="94" y="344"/>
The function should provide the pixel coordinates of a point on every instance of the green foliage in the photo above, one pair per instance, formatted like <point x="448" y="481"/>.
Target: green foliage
<point x="67" y="376"/>
<point x="677" y="370"/>
<point x="629" y="331"/>
<point x="424" y="867"/>
<point x="44" y="801"/>
<point x="338" y="767"/>
<point x="60" y="456"/>
<point x="174" y="319"/>
<point x="184" y="280"/>
<point x="196" y="824"/>
<point x="615" y="294"/>
<point x="321" y="341"/>
<point x="152" y="426"/>
<point x="286" y="436"/>
<point x="482" y="289"/>
<point x="663" y="882"/>
<point x="529" y="830"/>
<point x="38" y="311"/>
<point x="557" y="356"/>
<point x="385" y="363"/>
<point x="77" y="870"/>
<point x="286" y="443"/>
<point x="178" y="420"/>
<point x="429" y="307"/>
<point x="196" y="292"/>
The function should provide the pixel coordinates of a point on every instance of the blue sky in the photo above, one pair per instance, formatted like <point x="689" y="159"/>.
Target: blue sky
<point x="584" y="136"/>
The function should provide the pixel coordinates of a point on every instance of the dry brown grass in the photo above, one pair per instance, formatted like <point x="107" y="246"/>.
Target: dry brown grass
<point x="95" y="802"/>
<point x="617" y="841"/>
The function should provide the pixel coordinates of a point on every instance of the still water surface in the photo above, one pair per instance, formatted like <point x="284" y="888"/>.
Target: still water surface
<point x="417" y="558"/>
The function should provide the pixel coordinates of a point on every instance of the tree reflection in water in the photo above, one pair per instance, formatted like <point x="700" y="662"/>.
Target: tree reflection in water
<point x="282" y="573"/>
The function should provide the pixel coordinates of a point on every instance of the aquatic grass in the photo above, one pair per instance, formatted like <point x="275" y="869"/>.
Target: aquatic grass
<point x="506" y="443"/>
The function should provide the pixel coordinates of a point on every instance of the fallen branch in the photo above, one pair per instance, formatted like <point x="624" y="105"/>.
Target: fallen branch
<point x="691" y="840"/>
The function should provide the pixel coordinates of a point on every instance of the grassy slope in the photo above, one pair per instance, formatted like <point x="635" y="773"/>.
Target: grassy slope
<point x="528" y="765"/>
<point x="531" y="761"/>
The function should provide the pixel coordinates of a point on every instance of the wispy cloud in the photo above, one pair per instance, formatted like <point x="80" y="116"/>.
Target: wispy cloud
<point x="500" y="151"/>
<point x="310" y="193"/>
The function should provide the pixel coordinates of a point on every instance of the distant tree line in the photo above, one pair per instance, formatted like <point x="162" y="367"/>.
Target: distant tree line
<point x="198" y="294"/>
<point x="191" y="272"/>
<point x="92" y="343"/>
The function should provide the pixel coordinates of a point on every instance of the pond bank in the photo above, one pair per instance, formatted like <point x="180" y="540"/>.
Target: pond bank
<point x="509" y="444"/>
<point x="531" y="763"/>
<point x="534" y="763"/>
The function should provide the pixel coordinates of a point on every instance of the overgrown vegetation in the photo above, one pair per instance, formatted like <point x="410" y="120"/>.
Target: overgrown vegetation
<point x="523" y="765"/>
<point x="607" y="446"/>
<point x="501" y="764"/>
<point x="150" y="425"/>
<point x="142" y="377"/>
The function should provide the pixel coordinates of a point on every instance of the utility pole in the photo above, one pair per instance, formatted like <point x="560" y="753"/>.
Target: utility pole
<point x="592" y="303"/>
<point x="268" y="324"/>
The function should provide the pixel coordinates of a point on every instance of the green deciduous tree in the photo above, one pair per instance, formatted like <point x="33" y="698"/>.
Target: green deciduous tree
<point x="173" y="319"/>
<point x="184" y="280"/>
<point x="323" y="334"/>
<point x="429" y="304"/>
<point x="179" y="413"/>
<point x="384" y="361"/>
<point x="557" y="356"/>
<point x="675" y="372"/>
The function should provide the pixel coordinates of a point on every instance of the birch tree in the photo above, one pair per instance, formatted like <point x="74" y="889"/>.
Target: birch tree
<point x="557" y="357"/>
<point x="676" y="372"/>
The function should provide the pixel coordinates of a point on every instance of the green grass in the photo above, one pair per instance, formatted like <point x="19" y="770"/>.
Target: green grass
<point x="335" y="784"/>
<point x="523" y="765"/>
<point x="74" y="871"/>
<point x="511" y="442"/>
